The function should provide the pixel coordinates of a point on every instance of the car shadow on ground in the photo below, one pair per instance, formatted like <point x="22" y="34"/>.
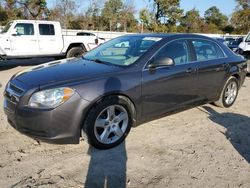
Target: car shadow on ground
<point x="238" y="129"/>
<point x="10" y="64"/>
<point x="107" y="168"/>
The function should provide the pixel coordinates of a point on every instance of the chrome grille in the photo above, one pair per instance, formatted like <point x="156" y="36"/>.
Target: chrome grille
<point x="12" y="95"/>
<point x="16" y="90"/>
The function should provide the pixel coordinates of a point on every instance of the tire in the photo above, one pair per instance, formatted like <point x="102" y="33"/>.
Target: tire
<point x="231" y="88"/>
<point x="75" y="52"/>
<point x="108" y="122"/>
<point x="248" y="66"/>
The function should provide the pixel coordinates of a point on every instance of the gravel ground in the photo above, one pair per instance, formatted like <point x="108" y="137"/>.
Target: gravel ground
<point x="205" y="146"/>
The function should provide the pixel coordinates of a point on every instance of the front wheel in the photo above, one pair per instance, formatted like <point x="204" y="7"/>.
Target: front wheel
<point x="229" y="93"/>
<point x="109" y="122"/>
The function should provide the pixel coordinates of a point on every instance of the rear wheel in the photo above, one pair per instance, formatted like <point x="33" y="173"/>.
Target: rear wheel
<point x="75" y="52"/>
<point x="109" y="122"/>
<point x="229" y="93"/>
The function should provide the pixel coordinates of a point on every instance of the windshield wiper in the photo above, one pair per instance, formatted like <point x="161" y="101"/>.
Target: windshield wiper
<point x="97" y="61"/>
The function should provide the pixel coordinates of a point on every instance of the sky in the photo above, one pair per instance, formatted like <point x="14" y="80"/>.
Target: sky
<point x="225" y="6"/>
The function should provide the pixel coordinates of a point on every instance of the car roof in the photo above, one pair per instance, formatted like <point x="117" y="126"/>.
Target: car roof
<point x="174" y="35"/>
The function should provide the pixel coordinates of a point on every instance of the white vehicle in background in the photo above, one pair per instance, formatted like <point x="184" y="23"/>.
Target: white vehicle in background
<point x="244" y="49"/>
<point x="33" y="38"/>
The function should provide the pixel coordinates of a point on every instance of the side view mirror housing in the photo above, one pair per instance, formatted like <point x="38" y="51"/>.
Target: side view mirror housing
<point x="163" y="62"/>
<point x="96" y="41"/>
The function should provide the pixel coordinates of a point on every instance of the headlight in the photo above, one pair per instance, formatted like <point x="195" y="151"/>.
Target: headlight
<point x="50" y="98"/>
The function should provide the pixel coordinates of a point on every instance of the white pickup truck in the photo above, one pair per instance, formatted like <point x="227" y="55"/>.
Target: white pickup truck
<point x="244" y="49"/>
<point x="33" y="38"/>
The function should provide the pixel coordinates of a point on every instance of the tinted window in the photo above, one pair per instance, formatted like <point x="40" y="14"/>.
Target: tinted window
<point x="46" y="29"/>
<point x="207" y="50"/>
<point x="85" y="34"/>
<point x="24" y="29"/>
<point x="176" y="50"/>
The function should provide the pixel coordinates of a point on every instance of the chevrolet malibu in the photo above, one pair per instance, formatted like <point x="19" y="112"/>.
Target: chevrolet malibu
<point x="114" y="87"/>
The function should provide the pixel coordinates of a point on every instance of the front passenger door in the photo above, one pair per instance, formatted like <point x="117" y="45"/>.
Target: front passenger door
<point x="24" y="42"/>
<point x="169" y="87"/>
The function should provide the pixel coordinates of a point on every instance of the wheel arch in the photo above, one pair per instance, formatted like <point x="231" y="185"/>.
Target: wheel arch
<point x="235" y="72"/>
<point x="72" y="45"/>
<point x="237" y="76"/>
<point x="101" y="98"/>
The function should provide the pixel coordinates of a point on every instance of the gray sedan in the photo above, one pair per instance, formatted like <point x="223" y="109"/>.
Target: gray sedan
<point x="114" y="87"/>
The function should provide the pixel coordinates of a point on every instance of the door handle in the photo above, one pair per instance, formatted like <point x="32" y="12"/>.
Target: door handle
<point x="33" y="40"/>
<point x="190" y="70"/>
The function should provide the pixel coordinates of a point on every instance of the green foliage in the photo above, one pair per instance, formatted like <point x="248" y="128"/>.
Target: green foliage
<point x="241" y="21"/>
<point x="3" y="16"/>
<point x="214" y="16"/>
<point x="243" y="4"/>
<point x="147" y="20"/>
<point x="119" y="15"/>
<point x="33" y="9"/>
<point x="23" y="9"/>
<point x="229" y="29"/>
<point x="111" y="14"/>
<point x="168" y="13"/>
<point x="93" y="16"/>
<point x="191" y="22"/>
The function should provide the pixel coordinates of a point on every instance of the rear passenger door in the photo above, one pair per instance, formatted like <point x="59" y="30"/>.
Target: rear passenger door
<point x="211" y="67"/>
<point x="50" y="40"/>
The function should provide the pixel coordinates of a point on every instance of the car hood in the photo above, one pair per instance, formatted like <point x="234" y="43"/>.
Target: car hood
<point x="3" y="35"/>
<point x="64" y="71"/>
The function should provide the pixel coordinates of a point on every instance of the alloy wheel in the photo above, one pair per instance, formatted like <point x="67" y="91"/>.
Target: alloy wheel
<point x="231" y="93"/>
<point x="111" y="124"/>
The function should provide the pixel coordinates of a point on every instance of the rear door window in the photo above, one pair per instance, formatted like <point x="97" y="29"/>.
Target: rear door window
<point x="46" y="29"/>
<point x="207" y="50"/>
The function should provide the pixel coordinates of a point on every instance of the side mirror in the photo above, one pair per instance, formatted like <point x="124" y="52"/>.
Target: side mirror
<point x="14" y="32"/>
<point x="96" y="41"/>
<point x="166" y="61"/>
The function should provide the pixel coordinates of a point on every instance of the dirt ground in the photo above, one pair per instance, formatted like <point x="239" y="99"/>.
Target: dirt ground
<point x="203" y="147"/>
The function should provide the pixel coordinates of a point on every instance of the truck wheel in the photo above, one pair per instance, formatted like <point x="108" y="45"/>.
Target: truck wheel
<point x="229" y="93"/>
<point x="75" y="52"/>
<point x="108" y="122"/>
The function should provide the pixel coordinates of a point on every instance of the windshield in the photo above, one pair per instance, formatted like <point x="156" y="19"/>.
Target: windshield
<point x="248" y="38"/>
<point x="6" y="28"/>
<point x="123" y="50"/>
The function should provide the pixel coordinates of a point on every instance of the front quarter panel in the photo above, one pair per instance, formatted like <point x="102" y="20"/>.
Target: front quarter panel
<point x="125" y="83"/>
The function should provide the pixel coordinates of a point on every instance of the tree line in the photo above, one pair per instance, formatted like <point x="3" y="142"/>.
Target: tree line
<point x="118" y="15"/>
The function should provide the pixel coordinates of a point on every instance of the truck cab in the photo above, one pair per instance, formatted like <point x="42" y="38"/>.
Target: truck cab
<point x="33" y="38"/>
<point x="244" y="46"/>
<point x="244" y="49"/>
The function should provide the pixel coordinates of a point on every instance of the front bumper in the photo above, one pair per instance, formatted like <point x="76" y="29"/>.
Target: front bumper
<point x="61" y="125"/>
